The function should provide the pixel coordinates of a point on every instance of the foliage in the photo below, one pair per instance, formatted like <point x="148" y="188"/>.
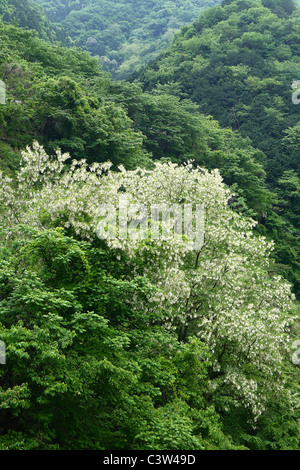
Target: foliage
<point x="50" y="96"/>
<point x="62" y="97"/>
<point x="143" y="343"/>
<point x="26" y="14"/>
<point x="125" y="34"/>
<point x="238" y="61"/>
<point x="133" y="343"/>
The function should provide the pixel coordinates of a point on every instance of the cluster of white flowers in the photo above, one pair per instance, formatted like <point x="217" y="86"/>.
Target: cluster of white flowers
<point x="223" y="292"/>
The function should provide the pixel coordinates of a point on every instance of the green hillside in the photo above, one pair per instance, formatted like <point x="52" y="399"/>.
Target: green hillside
<point x="238" y="62"/>
<point x="127" y="33"/>
<point x="140" y="342"/>
<point x="27" y="14"/>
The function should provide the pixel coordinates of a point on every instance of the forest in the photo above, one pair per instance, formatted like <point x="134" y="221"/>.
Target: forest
<point x="124" y="33"/>
<point x="135" y="343"/>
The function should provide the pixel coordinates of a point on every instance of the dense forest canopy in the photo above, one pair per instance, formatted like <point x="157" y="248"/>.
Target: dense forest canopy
<point x="125" y="33"/>
<point x="147" y="344"/>
<point x="27" y="14"/>
<point x="238" y="62"/>
<point x="134" y="344"/>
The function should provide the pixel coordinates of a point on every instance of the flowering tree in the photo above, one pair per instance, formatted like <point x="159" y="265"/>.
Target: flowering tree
<point x="224" y="292"/>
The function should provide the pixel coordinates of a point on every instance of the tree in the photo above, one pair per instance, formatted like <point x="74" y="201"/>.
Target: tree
<point x="223" y="293"/>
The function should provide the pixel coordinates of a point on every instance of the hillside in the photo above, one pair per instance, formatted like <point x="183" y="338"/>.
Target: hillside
<point x="143" y="342"/>
<point x="27" y="14"/>
<point x="238" y="62"/>
<point x="127" y="33"/>
<point x="62" y="98"/>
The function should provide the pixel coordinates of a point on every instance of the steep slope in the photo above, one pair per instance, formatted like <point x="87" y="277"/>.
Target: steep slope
<point x="62" y="98"/>
<point x="27" y="14"/>
<point x="124" y="33"/>
<point x="238" y="62"/>
<point x="148" y="345"/>
<point x="50" y="97"/>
